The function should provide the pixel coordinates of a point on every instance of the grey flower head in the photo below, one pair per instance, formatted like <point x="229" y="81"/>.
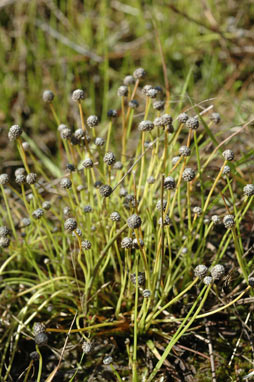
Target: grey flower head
<point x="129" y="80"/>
<point x="183" y="118"/>
<point x="158" y="204"/>
<point x="215" y="117"/>
<point x="188" y="174"/>
<point x="146" y="293"/>
<point x="118" y="165"/>
<point x="79" y="134"/>
<point x="217" y="272"/>
<point x="112" y="113"/>
<point x="14" y="132"/>
<point x="229" y="221"/>
<point x="109" y="158"/>
<point x="159" y="105"/>
<point x="200" y="270"/>
<point x="126" y="243"/>
<point x="123" y="192"/>
<point x="99" y="141"/>
<point x="87" y="163"/>
<point x="184" y="151"/>
<point x="248" y="189"/>
<point x="133" y="104"/>
<point x="26" y="146"/>
<point x="39" y="327"/>
<point x="137" y="243"/>
<point x="77" y="232"/>
<point x="151" y="180"/>
<point x="146" y="88"/>
<point x="78" y="95"/>
<point x="197" y="210"/>
<point x="86" y="244"/>
<point x="86" y="347"/>
<point x="25" y="222"/>
<point x="175" y="160"/>
<point x="92" y="121"/>
<point x="65" y="183"/>
<point x="20" y="171"/>
<point x="141" y="278"/>
<point x="87" y="209"/>
<point x="134" y="221"/>
<point x="4" y="242"/>
<point x="4" y="231"/>
<point x="97" y="183"/>
<point x="122" y="91"/>
<point x="41" y="339"/>
<point x="216" y="220"/>
<point x="67" y="211"/>
<point x="158" y="122"/>
<point x="115" y="217"/>
<point x="139" y="73"/>
<point x="4" y="179"/>
<point x="228" y="155"/>
<point x="107" y="360"/>
<point x="61" y="127"/>
<point x="66" y="133"/>
<point x="31" y="178"/>
<point x="46" y="205"/>
<point x="165" y="222"/>
<point x="70" y="224"/>
<point x="207" y="280"/>
<point x="166" y="119"/>
<point x="192" y="123"/>
<point x="48" y="96"/>
<point x="37" y="214"/>
<point x="105" y="190"/>
<point x="226" y="170"/>
<point x="146" y="126"/>
<point x="169" y="183"/>
<point x="152" y="93"/>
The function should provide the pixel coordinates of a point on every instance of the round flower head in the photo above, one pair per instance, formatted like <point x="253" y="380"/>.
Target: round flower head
<point x="31" y="178"/>
<point x="159" y="105"/>
<point x="158" y="122"/>
<point x="4" y="242"/>
<point x="46" y="205"/>
<point x="112" y="113"/>
<point x="188" y="174"/>
<point x="20" y="171"/>
<point x="77" y="232"/>
<point x="217" y="271"/>
<point x="139" y="73"/>
<point x="175" y="160"/>
<point x="197" y="210"/>
<point x="41" y="339"/>
<point x="39" y="327"/>
<point x="26" y="146"/>
<point x="146" y="126"/>
<point x="129" y="80"/>
<point x="251" y="281"/>
<point x="229" y="221"/>
<point x="183" y="118"/>
<point x="226" y="170"/>
<point x="134" y="221"/>
<point x="207" y="280"/>
<point x="126" y="243"/>
<point x="123" y="192"/>
<point x="137" y="244"/>
<point x="133" y="104"/>
<point x="146" y="88"/>
<point x="184" y="151"/>
<point x="79" y="134"/>
<point x="215" y="117"/>
<point x="169" y="183"/>
<point x="99" y="141"/>
<point x="122" y="91"/>
<point x="97" y="184"/>
<point x="192" y="123"/>
<point x="151" y="180"/>
<point x="70" y="224"/>
<point x="70" y="167"/>
<point x="118" y="165"/>
<point x="86" y="347"/>
<point x="14" y="132"/>
<point x="146" y="293"/>
<point x="48" y="96"/>
<point x="87" y="209"/>
<point x="25" y="222"/>
<point x="158" y="204"/>
<point x="92" y="121"/>
<point x="228" y="155"/>
<point x="216" y="220"/>
<point x="65" y="183"/>
<point x="80" y="187"/>
<point x="78" y="95"/>
<point x="34" y="355"/>
<point x="115" y="217"/>
<point x="86" y="244"/>
<point x="152" y="93"/>
<point x="66" y="133"/>
<point x="37" y="214"/>
<point x="166" y="119"/>
<point x="61" y="127"/>
<point x="109" y="158"/>
<point x="87" y="163"/>
<point x="67" y="211"/>
<point x="105" y="190"/>
<point x="4" y="231"/>
<point x="107" y="360"/>
<point x="200" y="271"/>
<point x="248" y="189"/>
<point x="4" y="179"/>
<point x="165" y="222"/>
<point x="206" y="220"/>
<point x="141" y="278"/>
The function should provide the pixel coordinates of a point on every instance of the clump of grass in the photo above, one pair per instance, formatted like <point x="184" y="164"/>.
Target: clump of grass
<point x="136" y="249"/>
